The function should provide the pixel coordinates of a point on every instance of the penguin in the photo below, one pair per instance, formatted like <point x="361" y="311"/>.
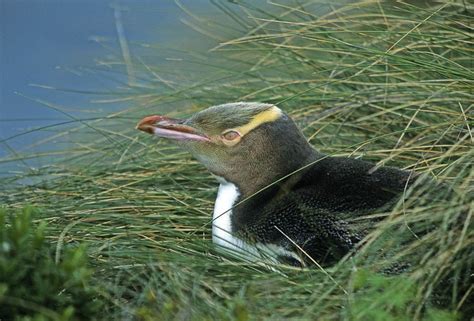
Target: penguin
<point x="279" y="199"/>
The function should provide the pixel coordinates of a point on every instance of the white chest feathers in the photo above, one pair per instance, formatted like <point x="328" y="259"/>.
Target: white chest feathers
<point x="222" y="234"/>
<point x="221" y="219"/>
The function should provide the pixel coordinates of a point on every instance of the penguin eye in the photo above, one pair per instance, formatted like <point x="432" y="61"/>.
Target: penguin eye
<point x="231" y="135"/>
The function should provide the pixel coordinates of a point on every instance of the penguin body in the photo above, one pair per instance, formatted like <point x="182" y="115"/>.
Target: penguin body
<point x="309" y="213"/>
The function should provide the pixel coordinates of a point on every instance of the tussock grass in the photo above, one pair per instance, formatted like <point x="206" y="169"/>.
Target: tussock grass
<point x="389" y="82"/>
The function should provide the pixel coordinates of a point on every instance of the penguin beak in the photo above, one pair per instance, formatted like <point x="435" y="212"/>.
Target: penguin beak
<point x="170" y="128"/>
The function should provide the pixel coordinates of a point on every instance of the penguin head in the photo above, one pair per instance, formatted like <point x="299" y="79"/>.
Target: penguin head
<point x="237" y="141"/>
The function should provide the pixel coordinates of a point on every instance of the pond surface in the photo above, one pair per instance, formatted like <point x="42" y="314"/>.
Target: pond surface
<point x="53" y="43"/>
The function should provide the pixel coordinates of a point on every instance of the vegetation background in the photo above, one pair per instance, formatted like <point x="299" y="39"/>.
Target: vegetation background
<point x="122" y="221"/>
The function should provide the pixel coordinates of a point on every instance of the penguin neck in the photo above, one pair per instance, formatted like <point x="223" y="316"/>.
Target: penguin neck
<point x="250" y="180"/>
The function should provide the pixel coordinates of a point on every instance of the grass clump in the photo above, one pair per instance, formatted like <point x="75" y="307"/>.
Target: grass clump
<point x="35" y="287"/>
<point x="382" y="298"/>
<point x="391" y="83"/>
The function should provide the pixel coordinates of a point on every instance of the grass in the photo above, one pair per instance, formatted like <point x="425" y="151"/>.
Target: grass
<point x="389" y="82"/>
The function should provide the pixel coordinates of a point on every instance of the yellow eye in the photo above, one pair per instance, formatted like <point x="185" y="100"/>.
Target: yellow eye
<point x="231" y="135"/>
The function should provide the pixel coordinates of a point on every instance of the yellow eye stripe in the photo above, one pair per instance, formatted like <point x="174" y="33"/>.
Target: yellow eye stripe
<point x="266" y="116"/>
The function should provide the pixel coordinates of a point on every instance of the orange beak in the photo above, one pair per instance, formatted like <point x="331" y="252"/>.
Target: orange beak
<point x="170" y="128"/>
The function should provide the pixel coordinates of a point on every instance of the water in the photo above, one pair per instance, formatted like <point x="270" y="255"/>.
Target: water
<point x="51" y="43"/>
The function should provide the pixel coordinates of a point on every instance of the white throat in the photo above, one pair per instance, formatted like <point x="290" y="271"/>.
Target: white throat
<point x="221" y="219"/>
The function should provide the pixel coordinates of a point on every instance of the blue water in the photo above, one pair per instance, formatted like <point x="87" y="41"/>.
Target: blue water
<point x="50" y="43"/>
